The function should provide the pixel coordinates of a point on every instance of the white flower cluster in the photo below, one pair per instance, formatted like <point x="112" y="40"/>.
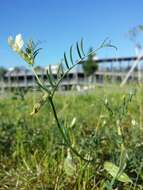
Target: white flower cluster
<point x="28" y="53"/>
<point x="16" y="44"/>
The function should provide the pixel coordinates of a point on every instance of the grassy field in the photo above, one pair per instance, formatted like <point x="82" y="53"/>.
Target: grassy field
<point x="105" y="125"/>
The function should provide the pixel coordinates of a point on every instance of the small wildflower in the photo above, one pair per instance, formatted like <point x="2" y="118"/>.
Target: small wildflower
<point x="133" y="122"/>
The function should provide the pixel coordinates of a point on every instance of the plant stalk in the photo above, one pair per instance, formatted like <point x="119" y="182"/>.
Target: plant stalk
<point x="62" y="132"/>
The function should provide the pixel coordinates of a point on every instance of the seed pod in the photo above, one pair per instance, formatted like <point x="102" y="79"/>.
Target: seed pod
<point x="38" y="105"/>
<point x="36" y="108"/>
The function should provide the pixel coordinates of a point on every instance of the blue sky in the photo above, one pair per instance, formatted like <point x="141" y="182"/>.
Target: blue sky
<point x="60" y="23"/>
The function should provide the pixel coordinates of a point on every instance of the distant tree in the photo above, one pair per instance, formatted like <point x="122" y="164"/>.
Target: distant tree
<point x="90" y="66"/>
<point x="38" y="68"/>
<point x="17" y="69"/>
<point x="2" y="72"/>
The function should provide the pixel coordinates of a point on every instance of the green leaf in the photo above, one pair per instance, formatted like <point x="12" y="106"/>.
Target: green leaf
<point x="113" y="170"/>
<point x="50" y="76"/>
<point x="78" y="51"/>
<point x="36" y="52"/>
<point x="72" y="124"/>
<point x="60" y="71"/>
<point x="71" y="56"/>
<point x="66" y="61"/>
<point x="81" y="46"/>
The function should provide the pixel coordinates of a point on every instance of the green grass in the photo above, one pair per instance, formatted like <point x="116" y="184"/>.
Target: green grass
<point x="33" y="153"/>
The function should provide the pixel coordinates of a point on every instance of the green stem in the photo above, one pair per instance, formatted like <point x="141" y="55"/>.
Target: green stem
<point x="57" y="121"/>
<point x="39" y="82"/>
<point x="63" y="134"/>
<point x="60" y="80"/>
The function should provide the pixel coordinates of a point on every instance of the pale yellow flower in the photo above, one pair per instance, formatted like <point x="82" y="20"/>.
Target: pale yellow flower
<point x="16" y="44"/>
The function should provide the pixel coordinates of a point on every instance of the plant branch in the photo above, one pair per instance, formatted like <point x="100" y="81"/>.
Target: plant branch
<point x="63" y="134"/>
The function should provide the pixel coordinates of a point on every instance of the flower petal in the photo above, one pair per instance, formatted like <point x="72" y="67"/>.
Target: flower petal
<point x="19" y="42"/>
<point x="10" y="41"/>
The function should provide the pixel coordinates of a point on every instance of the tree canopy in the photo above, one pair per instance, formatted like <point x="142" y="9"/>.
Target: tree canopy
<point x="90" y="66"/>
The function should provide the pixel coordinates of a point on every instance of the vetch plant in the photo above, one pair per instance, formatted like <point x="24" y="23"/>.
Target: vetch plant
<point x="29" y="52"/>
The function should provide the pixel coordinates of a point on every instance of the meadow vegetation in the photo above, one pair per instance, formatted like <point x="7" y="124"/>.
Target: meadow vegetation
<point x="78" y="140"/>
<point x="104" y="125"/>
